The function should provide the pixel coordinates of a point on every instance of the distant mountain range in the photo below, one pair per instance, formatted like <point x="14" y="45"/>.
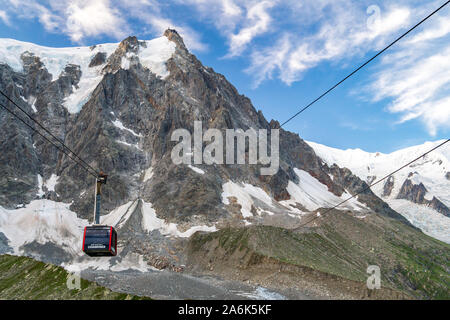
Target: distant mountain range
<point x="420" y="192"/>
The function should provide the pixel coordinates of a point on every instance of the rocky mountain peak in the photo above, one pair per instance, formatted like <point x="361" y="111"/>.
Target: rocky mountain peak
<point x="174" y="36"/>
<point x="30" y="61"/>
<point x="416" y="193"/>
<point x="274" y="124"/>
<point x="129" y="44"/>
<point x="412" y="192"/>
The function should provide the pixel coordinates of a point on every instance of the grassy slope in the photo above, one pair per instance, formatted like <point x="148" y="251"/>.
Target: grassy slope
<point x="25" y="278"/>
<point x="344" y="246"/>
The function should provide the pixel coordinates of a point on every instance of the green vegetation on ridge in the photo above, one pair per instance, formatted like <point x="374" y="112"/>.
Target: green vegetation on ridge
<point x="22" y="278"/>
<point x="343" y="246"/>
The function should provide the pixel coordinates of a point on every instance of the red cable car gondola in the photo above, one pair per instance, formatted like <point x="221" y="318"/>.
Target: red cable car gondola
<point x="99" y="240"/>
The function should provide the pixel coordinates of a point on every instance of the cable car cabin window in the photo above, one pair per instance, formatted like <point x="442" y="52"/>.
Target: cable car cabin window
<point x="100" y="241"/>
<point x="97" y="239"/>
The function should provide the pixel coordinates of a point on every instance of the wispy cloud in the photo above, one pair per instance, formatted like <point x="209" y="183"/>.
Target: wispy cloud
<point x="152" y="16"/>
<point x="91" y="18"/>
<point x="4" y="17"/>
<point x="257" y="22"/>
<point x="335" y="40"/>
<point x="419" y="88"/>
<point x="415" y="77"/>
<point x="84" y="19"/>
<point x="79" y="19"/>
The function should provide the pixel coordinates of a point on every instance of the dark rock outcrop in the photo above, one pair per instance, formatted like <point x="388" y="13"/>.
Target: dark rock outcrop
<point x="416" y="193"/>
<point x="98" y="59"/>
<point x="437" y="205"/>
<point x="412" y="192"/>
<point x="388" y="186"/>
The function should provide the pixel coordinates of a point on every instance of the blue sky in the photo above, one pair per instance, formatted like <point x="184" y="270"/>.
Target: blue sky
<point x="283" y="54"/>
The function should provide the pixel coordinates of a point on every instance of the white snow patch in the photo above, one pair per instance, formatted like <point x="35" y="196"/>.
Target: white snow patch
<point x="428" y="196"/>
<point x="261" y="293"/>
<point x="428" y="220"/>
<point x="43" y="221"/>
<point x="120" y="125"/>
<point x="244" y="196"/>
<point x="155" y="55"/>
<point x="51" y="182"/>
<point x="33" y="107"/>
<point x="290" y="205"/>
<point x="231" y="189"/>
<point x="119" y="216"/>
<point x="125" y="63"/>
<point x="136" y="145"/>
<point x="131" y="261"/>
<point x="40" y="192"/>
<point x="148" y="174"/>
<point x="151" y="222"/>
<point x="198" y="170"/>
<point x="55" y="60"/>
<point x="312" y="194"/>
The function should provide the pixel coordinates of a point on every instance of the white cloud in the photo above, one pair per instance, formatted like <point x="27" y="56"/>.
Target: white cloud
<point x="439" y="29"/>
<point x="335" y="40"/>
<point x="223" y="14"/>
<point x="78" y="19"/>
<point x="33" y="10"/>
<point x="88" y="18"/>
<point x="414" y="76"/>
<point x="258" y="22"/>
<point x="82" y="19"/>
<point x="267" y="61"/>
<point x="240" y="22"/>
<point x="437" y="115"/>
<point x="419" y="88"/>
<point x="158" y="25"/>
<point x="4" y="17"/>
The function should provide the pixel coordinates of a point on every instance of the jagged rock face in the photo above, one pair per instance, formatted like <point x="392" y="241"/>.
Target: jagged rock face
<point x="346" y="179"/>
<point x="388" y="186"/>
<point x="447" y="175"/>
<point x="98" y="59"/>
<point x="150" y="107"/>
<point x="416" y="193"/>
<point x="439" y="206"/>
<point x="412" y="192"/>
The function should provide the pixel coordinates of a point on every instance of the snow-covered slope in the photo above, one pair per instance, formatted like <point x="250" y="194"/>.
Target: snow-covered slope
<point x="309" y="194"/>
<point x="432" y="171"/>
<point x="153" y="55"/>
<point x="42" y="221"/>
<point x="45" y="222"/>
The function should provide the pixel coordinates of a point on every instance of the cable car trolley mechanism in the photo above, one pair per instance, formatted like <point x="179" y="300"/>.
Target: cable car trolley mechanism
<point x="99" y="240"/>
